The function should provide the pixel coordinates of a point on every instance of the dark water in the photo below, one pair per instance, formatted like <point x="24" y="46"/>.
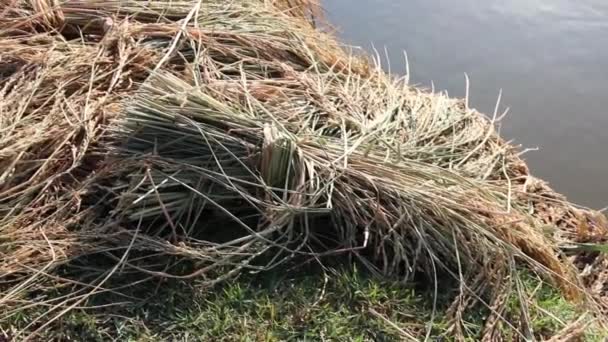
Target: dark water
<point x="550" y="58"/>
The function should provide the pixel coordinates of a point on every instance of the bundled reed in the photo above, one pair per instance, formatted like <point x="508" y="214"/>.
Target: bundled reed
<point x="234" y="136"/>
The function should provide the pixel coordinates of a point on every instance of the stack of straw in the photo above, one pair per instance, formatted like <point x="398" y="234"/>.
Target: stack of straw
<point x="236" y="136"/>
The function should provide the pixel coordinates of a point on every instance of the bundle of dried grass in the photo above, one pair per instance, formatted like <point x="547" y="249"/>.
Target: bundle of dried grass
<point x="235" y="137"/>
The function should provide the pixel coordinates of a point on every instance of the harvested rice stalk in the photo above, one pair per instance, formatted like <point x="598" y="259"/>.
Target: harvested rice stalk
<point x="400" y="216"/>
<point x="233" y="137"/>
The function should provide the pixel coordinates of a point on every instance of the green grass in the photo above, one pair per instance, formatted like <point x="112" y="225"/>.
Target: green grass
<point x="334" y="306"/>
<point x="339" y="305"/>
<point x="549" y="311"/>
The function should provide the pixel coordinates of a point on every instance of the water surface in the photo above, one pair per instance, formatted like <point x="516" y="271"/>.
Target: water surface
<point x="550" y="58"/>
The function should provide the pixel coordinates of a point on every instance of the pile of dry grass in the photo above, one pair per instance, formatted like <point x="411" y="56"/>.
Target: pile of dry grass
<point x="234" y="136"/>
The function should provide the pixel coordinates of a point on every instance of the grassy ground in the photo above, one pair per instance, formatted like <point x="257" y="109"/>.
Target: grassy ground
<point x="332" y="305"/>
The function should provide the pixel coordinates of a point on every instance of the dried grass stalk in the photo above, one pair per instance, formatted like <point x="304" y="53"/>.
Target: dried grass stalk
<point x="235" y="136"/>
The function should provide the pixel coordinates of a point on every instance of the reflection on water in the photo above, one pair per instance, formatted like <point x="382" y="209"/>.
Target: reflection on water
<point x="550" y="57"/>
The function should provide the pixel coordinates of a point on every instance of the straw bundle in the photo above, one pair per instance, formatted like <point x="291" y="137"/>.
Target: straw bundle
<point x="235" y="137"/>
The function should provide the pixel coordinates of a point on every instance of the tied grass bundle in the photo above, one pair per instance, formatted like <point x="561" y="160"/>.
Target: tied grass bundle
<point x="287" y="167"/>
<point x="206" y="139"/>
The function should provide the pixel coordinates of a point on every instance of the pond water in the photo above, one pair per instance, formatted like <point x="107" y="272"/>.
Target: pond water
<point x="549" y="57"/>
